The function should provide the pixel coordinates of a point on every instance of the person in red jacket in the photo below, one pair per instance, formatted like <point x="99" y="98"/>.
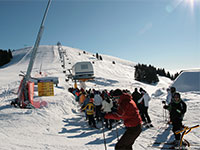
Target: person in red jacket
<point x="129" y="113"/>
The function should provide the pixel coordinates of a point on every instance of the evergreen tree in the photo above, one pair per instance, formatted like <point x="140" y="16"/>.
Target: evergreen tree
<point x="149" y="73"/>
<point x="58" y="43"/>
<point x="146" y="74"/>
<point x="10" y="53"/>
<point x="100" y="58"/>
<point x="5" y="57"/>
<point x="168" y="75"/>
<point x="97" y="55"/>
<point x="176" y="75"/>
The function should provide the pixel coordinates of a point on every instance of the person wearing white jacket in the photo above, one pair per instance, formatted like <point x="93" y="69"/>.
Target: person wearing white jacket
<point x="107" y="105"/>
<point x="98" y="104"/>
<point x="144" y="101"/>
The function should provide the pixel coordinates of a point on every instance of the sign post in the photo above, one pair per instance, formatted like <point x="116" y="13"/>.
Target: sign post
<point x="45" y="88"/>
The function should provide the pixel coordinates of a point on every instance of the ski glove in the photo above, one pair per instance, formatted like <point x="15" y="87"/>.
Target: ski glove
<point x="165" y="107"/>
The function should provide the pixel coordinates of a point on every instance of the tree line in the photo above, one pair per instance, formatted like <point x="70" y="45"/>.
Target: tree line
<point x="5" y="56"/>
<point x="149" y="74"/>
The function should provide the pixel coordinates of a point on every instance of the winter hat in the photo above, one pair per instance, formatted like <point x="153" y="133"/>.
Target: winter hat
<point x="177" y="95"/>
<point x="142" y="90"/>
<point x="117" y="92"/>
<point x="173" y="89"/>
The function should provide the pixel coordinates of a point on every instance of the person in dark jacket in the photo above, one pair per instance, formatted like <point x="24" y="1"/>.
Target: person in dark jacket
<point x="177" y="108"/>
<point x="144" y="102"/>
<point x="129" y="113"/>
<point x="170" y="97"/>
<point x="136" y="96"/>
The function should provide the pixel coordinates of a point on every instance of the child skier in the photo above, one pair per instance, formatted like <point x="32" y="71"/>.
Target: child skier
<point x="90" y="111"/>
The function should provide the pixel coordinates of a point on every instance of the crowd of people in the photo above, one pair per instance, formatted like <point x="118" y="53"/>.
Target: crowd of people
<point x="104" y="102"/>
<point x="108" y="106"/>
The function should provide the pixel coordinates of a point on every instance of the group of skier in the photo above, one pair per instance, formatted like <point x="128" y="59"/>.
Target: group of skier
<point x="115" y="105"/>
<point x="96" y="105"/>
<point x="132" y="108"/>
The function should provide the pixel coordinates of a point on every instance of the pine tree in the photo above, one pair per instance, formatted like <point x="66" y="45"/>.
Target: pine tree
<point x="100" y="58"/>
<point x="58" y="43"/>
<point x="147" y="74"/>
<point x="5" y="57"/>
<point x="176" y="75"/>
<point x="10" y="53"/>
<point x="97" y="55"/>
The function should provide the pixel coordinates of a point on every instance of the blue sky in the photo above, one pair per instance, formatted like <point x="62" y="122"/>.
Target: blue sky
<point x="163" y="33"/>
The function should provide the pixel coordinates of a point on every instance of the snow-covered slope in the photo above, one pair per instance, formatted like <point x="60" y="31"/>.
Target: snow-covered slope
<point x="61" y="125"/>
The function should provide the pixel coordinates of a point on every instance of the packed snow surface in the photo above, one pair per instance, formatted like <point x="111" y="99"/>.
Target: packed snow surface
<point x="61" y="125"/>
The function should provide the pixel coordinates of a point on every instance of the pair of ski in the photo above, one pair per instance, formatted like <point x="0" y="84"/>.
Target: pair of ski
<point x="170" y="145"/>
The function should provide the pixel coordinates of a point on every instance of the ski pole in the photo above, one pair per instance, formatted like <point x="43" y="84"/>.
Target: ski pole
<point x="117" y="132"/>
<point x="164" y="112"/>
<point x="104" y="139"/>
<point x="165" y="115"/>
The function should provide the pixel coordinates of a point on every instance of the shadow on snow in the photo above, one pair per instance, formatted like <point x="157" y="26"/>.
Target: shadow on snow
<point x="162" y="138"/>
<point x="79" y="126"/>
<point x="103" y="81"/>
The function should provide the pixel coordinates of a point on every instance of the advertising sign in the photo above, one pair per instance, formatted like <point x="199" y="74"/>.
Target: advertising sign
<point x="45" y="88"/>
